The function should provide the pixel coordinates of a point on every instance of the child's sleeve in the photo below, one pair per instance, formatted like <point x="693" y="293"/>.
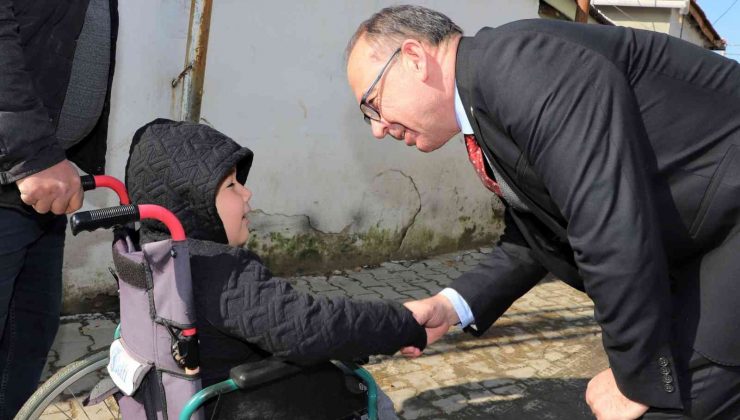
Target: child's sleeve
<point x="268" y="312"/>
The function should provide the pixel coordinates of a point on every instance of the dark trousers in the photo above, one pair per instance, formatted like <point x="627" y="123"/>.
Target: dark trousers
<point x="709" y="391"/>
<point x="31" y="254"/>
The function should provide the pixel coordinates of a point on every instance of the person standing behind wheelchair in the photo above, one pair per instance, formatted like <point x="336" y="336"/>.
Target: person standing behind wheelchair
<point x="56" y="68"/>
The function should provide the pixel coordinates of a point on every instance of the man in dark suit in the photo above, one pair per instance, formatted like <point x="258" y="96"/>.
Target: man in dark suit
<point x="616" y="153"/>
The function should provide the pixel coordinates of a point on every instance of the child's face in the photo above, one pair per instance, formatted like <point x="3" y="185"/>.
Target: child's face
<point x="232" y="204"/>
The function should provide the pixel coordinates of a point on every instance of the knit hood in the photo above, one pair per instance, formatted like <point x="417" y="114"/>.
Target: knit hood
<point x="178" y="165"/>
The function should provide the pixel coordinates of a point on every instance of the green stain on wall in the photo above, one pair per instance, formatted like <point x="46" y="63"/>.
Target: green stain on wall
<point x="317" y="252"/>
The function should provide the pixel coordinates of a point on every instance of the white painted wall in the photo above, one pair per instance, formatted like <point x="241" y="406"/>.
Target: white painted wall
<point x="647" y="18"/>
<point x="275" y="82"/>
<point x="150" y="52"/>
<point x="665" y="20"/>
<point x="686" y="28"/>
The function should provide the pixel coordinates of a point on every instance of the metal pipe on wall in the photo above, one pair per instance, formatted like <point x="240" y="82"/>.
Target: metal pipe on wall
<point x="582" y="7"/>
<point x="195" y="61"/>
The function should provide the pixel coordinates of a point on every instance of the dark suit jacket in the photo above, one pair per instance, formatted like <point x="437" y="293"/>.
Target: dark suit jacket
<point x="625" y="145"/>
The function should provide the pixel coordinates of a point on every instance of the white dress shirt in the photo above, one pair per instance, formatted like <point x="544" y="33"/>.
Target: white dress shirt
<point x="461" y="306"/>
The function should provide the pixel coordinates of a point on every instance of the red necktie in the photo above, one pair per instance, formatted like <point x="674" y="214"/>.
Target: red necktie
<point x="476" y="158"/>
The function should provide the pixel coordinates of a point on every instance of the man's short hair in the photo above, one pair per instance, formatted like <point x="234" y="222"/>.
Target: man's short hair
<point x="390" y="26"/>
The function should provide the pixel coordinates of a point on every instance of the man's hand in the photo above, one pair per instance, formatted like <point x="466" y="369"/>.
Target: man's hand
<point x="56" y="188"/>
<point x="436" y="314"/>
<point x="608" y="403"/>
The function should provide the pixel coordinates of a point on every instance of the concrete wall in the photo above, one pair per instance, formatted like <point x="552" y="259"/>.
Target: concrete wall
<point x="326" y="193"/>
<point x="648" y="18"/>
<point x="686" y="28"/>
<point x="665" y="20"/>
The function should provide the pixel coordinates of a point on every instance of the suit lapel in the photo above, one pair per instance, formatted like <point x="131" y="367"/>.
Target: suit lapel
<point x="507" y="157"/>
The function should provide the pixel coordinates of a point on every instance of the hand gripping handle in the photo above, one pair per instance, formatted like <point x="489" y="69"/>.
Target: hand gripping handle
<point x="90" y="182"/>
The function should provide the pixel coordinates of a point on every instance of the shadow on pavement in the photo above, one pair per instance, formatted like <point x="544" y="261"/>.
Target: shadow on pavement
<point x="502" y="398"/>
<point x="534" y="330"/>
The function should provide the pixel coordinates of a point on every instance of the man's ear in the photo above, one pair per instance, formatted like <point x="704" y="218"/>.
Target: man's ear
<point x="415" y="58"/>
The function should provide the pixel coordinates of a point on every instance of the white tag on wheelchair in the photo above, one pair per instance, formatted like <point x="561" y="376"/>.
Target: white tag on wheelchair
<point x="125" y="371"/>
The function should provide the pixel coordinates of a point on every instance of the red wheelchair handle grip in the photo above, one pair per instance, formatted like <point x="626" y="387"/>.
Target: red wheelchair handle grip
<point x="90" y="182"/>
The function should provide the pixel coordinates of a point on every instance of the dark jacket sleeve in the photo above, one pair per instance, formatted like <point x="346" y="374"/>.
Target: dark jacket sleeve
<point x="573" y="114"/>
<point x="27" y="142"/>
<point x="267" y="311"/>
<point x="507" y="274"/>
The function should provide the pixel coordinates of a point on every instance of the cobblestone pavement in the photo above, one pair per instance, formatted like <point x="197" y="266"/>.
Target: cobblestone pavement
<point x="534" y="363"/>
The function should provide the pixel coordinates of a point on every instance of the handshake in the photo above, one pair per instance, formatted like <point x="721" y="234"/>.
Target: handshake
<point x="436" y="314"/>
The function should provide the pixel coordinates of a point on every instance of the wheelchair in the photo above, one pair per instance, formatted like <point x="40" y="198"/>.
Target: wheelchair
<point x="151" y="368"/>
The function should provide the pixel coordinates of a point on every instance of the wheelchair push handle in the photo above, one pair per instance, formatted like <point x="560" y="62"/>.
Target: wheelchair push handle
<point x="90" y="182"/>
<point x="103" y="218"/>
<point x="120" y="215"/>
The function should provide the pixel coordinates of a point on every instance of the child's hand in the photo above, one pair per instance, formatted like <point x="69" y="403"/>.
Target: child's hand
<point x="436" y="315"/>
<point x="411" y="352"/>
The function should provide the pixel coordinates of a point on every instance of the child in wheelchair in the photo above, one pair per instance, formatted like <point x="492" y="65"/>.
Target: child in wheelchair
<point x="243" y="312"/>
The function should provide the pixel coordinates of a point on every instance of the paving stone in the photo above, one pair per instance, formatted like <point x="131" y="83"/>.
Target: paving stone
<point x="553" y="356"/>
<point x="333" y="293"/>
<point x="472" y="386"/>
<point x="382" y="274"/>
<point x="386" y="292"/>
<point x="70" y="344"/>
<point x="451" y="404"/>
<point x="368" y="296"/>
<point x="401" y="286"/>
<point x="100" y="331"/>
<point x="450" y="272"/>
<point x="432" y="263"/>
<point x="497" y="383"/>
<point x="415" y="409"/>
<point x="467" y="266"/>
<point x="513" y="389"/>
<point x="417" y="266"/>
<point x="400" y="276"/>
<point x="400" y="395"/>
<point x="469" y="259"/>
<point x="430" y="286"/>
<point x="420" y="379"/>
<point x="418" y="294"/>
<point x="437" y="277"/>
<point x="320" y="285"/>
<point x="478" y="256"/>
<point x="366" y="279"/>
<point x="393" y="266"/>
<point x="352" y="287"/>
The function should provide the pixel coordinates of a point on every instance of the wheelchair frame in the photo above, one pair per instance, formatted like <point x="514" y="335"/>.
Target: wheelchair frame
<point x="119" y="216"/>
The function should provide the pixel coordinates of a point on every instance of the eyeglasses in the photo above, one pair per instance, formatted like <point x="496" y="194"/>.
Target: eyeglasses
<point x="368" y="111"/>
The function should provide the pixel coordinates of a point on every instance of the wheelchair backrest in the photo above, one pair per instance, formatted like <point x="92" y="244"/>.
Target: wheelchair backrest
<point x="156" y="311"/>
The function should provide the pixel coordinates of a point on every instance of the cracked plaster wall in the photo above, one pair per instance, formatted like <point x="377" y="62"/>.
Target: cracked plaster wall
<point x="326" y="193"/>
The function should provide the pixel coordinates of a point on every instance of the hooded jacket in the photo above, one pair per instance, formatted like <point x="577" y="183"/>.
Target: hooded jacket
<point x="243" y="312"/>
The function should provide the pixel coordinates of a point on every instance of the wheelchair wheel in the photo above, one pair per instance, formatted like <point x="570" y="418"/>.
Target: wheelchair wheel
<point x="62" y="395"/>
